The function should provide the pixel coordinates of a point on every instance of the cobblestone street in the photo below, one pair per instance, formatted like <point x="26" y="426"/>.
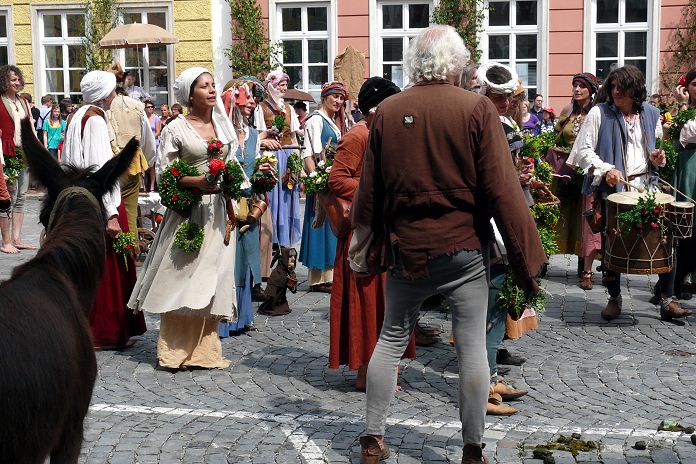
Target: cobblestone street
<point x="278" y="403"/>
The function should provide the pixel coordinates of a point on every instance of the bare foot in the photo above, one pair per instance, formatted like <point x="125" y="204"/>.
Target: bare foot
<point x="9" y="249"/>
<point x="24" y="246"/>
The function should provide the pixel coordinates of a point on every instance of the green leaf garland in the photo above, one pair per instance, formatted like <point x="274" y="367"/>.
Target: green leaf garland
<point x="189" y="237"/>
<point x="232" y="180"/>
<point x="174" y="197"/>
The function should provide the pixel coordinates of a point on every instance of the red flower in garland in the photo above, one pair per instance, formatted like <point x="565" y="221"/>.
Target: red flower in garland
<point x="175" y="172"/>
<point x="175" y="197"/>
<point x="682" y="81"/>
<point x="653" y="225"/>
<point x="215" y="166"/>
<point x="214" y="148"/>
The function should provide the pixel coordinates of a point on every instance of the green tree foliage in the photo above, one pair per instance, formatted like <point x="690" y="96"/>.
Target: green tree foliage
<point x="251" y="53"/>
<point x="100" y="17"/>
<point x="466" y="16"/>
<point x="682" y="43"/>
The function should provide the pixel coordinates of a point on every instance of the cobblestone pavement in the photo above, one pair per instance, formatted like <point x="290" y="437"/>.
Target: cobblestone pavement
<point x="278" y="402"/>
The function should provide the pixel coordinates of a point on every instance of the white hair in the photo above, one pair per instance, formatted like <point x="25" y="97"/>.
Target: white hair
<point x="435" y="54"/>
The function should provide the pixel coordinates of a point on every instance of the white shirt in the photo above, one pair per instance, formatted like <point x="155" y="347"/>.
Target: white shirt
<point x="94" y="149"/>
<point x="688" y="133"/>
<point x="585" y="157"/>
<point x="137" y="92"/>
<point x="313" y="127"/>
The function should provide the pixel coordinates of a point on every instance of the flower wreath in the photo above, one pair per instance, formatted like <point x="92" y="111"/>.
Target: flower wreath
<point x="264" y="181"/>
<point x="232" y="180"/>
<point x="189" y="237"/>
<point x="125" y="245"/>
<point x="14" y="165"/>
<point x="174" y="197"/>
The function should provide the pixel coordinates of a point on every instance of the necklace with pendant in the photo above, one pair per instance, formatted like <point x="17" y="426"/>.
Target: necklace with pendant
<point x="631" y="124"/>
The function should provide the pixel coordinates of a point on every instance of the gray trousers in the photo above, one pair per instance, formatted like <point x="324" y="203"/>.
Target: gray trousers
<point x="462" y="279"/>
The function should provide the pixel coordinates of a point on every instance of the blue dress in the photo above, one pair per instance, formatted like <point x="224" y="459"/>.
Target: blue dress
<point x="318" y="248"/>
<point x="247" y="265"/>
<point x="285" y="206"/>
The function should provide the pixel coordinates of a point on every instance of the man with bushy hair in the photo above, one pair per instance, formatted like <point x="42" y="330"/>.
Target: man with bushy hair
<point x="436" y="216"/>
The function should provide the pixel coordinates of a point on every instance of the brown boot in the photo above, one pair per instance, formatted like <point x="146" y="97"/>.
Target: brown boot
<point x="586" y="281"/>
<point x="372" y="451"/>
<point x="670" y="309"/>
<point x="506" y="391"/>
<point x="613" y="308"/>
<point x="473" y="454"/>
<point x="496" y="407"/>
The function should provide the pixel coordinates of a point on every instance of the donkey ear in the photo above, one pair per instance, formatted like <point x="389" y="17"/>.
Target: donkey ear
<point x="41" y="163"/>
<point x="107" y="176"/>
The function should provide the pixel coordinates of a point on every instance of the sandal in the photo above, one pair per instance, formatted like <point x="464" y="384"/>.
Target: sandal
<point x="586" y="280"/>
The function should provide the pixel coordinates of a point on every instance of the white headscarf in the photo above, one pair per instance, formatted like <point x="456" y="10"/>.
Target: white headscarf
<point x="223" y="126"/>
<point x="97" y="85"/>
<point x="273" y="96"/>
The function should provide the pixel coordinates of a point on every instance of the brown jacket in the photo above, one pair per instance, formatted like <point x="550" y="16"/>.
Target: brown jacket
<point x="436" y="169"/>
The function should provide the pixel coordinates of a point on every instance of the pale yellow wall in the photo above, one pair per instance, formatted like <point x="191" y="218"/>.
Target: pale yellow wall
<point x="191" y="24"/>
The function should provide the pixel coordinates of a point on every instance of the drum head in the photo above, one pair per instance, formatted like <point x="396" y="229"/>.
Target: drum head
<point x="631" y="198"/>
<point x="683" y="204"/>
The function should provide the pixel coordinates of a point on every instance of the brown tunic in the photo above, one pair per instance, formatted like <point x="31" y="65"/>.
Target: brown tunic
<point x="269" y="113"/>
<point x="436" y="169"/>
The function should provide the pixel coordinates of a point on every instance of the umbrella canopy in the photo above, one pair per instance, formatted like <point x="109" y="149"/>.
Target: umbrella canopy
<point x="137" y="35"/>
<point x="294" y="94"/>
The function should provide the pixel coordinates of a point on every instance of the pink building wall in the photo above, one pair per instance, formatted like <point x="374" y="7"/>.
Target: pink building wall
<point x="566" y="22"/>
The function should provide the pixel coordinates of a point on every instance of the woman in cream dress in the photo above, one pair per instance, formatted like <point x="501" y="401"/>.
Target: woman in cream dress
<point x="192" y="291"/>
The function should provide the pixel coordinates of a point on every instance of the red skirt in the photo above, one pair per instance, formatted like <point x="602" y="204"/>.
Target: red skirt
<point x="356" y="315"/>
<point x="111" y="322"/>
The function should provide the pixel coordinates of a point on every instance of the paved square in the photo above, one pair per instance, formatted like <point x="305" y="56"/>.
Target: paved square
<point x="278" y="402"/>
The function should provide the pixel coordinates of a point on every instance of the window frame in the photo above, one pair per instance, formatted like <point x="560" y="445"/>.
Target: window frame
<point x="39" y="41"/>
<point x="541" y="29"/>
<point x="6" y="10"/>
<point x="331" y="36"/>
<point x="120" y="54"/>
<point x="650" y="28"/>
<point x="377" y="33"/>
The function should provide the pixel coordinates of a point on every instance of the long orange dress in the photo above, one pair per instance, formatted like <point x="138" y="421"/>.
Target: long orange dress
<point x="357" y="305"/>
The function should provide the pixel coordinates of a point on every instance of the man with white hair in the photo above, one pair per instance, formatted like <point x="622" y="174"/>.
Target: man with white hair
<point x="436" y="215"/>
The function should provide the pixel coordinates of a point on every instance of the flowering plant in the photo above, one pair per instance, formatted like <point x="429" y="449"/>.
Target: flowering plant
<point x="647" y="214"/>
<point x="189" y="237"/>
<point x="125" y="245"/>
<point x="214" y="148"/>
<point x="543" y="172"/>
<point x="318" y="180"/>
<point x="232" y="180"/>
<point x="263" y="181"/>
<point x="14" y="165"/>
<point x="678" y="122"/>
<point x="513" y="299"/>
<point x="174" y="197"/>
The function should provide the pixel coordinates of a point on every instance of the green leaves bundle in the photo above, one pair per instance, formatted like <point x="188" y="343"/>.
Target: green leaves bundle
<point x="174" y="197"/>
<point x="189" y="237"/>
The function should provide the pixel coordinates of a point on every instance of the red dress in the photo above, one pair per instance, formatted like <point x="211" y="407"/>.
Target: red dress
<point x="111" y="322"/>
<point x="357" y="305"/>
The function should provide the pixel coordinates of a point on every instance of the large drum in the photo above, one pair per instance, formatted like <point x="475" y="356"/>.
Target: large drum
<point x="645" y="252"/>
<point x="681" y="218"/>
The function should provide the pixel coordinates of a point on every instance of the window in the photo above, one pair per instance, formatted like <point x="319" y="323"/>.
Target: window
<point x="4" y="38"/>
<point x="512" y="38"/>
<point x="304" y="33"/>
<point x="152" y="65"/>
<point x="61" y="54"/>
<point x="398" y="23"/>
<point x="620" y="33"/>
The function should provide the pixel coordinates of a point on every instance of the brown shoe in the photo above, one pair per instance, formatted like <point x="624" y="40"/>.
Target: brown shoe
<point x="670" y="309"/>
<point x="506" y="391"/>
<point x="473" y="454"/>
<point x="423" y="339"/>
<point x="613" y="308"/>
<point x="372" y="451"/>
<point x="321" y="288"/>
<point x="496" y="407"/>
<point x="586" y="281"/>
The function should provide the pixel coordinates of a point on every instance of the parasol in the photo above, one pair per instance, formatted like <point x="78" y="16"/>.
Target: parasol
<point x="137" y="35"/>
<point x="294" y="94"/>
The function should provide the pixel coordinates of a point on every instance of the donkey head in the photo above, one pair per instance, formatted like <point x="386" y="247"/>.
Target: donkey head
<point x="56" y="178"/>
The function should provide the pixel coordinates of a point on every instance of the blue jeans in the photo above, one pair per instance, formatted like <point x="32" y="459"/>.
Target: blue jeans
<point x="462" y="279"/>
